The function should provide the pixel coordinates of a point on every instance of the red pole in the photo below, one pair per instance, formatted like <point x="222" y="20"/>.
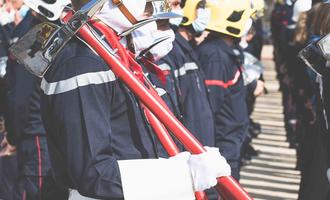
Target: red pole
<point x="159" y="129"/>
<point x="167" y="141"/>
<point x="162" y="134"/>
<point x="227" y="187"/>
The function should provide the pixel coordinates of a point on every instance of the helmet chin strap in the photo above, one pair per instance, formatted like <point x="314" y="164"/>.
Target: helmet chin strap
<point x="125" y="11"/>
<point x="128" y="14"/>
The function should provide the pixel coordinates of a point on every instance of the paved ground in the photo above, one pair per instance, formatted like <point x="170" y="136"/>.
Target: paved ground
<point x="272" y="174"/>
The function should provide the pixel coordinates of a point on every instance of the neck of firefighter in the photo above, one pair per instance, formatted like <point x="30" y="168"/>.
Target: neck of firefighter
<point x="185" y="33"/>
<point x="229" y="40"/>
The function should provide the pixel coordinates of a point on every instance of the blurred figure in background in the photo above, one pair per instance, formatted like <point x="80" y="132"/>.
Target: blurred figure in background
<point x="315" y="143"/>
<point x="252" y="43"/>
<point x="309" y="123"/>
<point x="282" y="31"/>
<point x="23" y="120"/>
<point x="9" y="17"/>
<point x="304" y="91"/>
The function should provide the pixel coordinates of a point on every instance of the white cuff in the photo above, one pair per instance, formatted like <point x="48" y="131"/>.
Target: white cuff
<point x="160" y="179"/>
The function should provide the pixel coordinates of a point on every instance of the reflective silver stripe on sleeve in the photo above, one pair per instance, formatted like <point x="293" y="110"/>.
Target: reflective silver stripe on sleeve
<point x="92" y="78"/>
<point x="186" y="67"/>
<point x="164" y="67"/>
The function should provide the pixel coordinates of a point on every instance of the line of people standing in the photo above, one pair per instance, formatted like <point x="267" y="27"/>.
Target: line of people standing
<point x="295" y="24"/>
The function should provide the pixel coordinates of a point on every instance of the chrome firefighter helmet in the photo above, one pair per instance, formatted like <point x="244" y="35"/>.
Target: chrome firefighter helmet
<point x="317" y="55"/>
<point x="38" y="48"/>
<point x="230" y="16"/>
<point x="253" y="68"/>
<point x="51" y="9"/>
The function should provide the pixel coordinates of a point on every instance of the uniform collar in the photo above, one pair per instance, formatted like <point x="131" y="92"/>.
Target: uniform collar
<point x="225" y="47"/>
<point x="183" y="42"/>
<point x="237" y="57"/>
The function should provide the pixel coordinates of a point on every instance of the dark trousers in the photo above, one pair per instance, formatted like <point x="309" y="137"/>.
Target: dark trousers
<point x="35" y="180"/>
<point x="39" y="188"/>
<point x="28" y="188"/>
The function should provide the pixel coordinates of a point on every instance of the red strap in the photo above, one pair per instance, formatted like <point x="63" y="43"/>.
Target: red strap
<point x="155" y="69"/>
<point x="127" y="58"/>
<point x="223" y="84"/>
<point x="37" y="140"/>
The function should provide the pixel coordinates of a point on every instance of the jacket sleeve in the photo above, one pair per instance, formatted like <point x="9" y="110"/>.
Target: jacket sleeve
<point x="22" y="112"/>
<point x="78" y="109"/>
<point x="216" y="82"/>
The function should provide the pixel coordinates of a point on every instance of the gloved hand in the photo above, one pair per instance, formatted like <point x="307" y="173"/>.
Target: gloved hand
<point x="205" y="167"/>
<point x="3" y="66"/>
<point x="183" y="156"/>
<point x="203" y="18"/>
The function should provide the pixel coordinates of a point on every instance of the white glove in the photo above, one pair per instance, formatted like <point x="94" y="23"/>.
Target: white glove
<point x="3" y="66"/>
<point x="206" y="167"/>
<point x="183" y="156"/>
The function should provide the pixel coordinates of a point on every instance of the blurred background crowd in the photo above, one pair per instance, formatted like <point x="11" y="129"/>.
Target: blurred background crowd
<point x="305" y="92"/>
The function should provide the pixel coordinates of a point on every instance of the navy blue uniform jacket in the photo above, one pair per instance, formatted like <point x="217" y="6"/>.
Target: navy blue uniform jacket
<point x="23" y="117"/>
<point x="227" y="96"/>
<point x="92" y="120"/>
<point x="186" y="86"/>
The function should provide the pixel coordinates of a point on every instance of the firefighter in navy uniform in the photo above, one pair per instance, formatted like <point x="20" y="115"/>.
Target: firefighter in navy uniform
<point x="25" y="127"/>
<point x="252" y="43"/>
<point x="256" y="43"/>
<point x="186" y="83"/>
<point x="8" y="163"/>
<point x="96" y="132"/>
<point x="221" y="63"/>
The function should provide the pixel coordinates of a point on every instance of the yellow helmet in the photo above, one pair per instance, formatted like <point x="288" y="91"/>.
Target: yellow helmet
<point x="189" y="12"/>
<point x="230" y="16"/>
<point x="259" y="5"/>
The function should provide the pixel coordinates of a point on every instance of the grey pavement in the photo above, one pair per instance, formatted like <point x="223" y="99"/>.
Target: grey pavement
<point x="272" y="174"/>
